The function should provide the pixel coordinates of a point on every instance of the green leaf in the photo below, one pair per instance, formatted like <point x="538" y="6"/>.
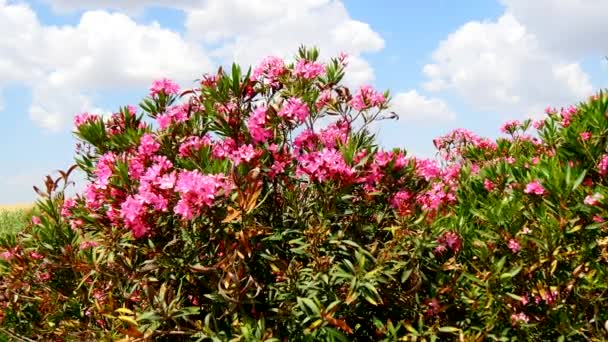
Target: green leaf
<point x="310" y="304"/>
<point x="512" y="273"/>
<point x="579" y="180"/>
<point x="449" y="329"/>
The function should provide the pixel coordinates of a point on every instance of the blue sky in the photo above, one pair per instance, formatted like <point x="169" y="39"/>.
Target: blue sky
<point x="448" y="64"/>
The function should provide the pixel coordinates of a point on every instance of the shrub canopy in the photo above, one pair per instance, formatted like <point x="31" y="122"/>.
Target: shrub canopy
<point x="259" y="207"/>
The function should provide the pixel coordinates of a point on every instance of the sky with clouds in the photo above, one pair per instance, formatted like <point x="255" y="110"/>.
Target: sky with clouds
<point x="448" y="64"/>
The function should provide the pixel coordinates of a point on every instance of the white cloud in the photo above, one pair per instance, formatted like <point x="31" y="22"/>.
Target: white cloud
<point x="411" y="106"/>
<point x="246" y="31"/>
<point x="572" y="28"/>
<point x="104" y="51"/>
<point x="500" y="66"/>
<point x="66" y="65"/>
<point x="131" y="6"/>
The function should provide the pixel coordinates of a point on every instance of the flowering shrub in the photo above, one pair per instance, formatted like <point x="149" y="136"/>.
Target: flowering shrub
<point x="258" y="207"/>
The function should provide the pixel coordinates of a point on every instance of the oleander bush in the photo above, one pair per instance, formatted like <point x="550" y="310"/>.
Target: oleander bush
<point x="259" y="207"/>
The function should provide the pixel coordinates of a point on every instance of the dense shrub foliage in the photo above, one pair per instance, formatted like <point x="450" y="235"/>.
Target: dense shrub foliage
<point x="258" y="207"/>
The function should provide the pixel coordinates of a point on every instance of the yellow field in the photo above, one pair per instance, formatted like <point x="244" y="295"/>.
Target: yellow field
<point x="16" y="206"/>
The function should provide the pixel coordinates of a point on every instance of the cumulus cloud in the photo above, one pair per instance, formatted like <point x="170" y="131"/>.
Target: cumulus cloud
<point x="412" y="106"/>
<point x="254" y="29"/>
<point x="130" y="6"/>
<point x="500" y="66"/>
<point x="104" y="51"/>
<point x="66" y="65"/>
<point x="571" y="28"/>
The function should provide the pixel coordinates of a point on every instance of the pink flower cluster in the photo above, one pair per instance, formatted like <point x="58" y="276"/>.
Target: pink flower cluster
<point x="455" y="143"/>
<point x="153" y="193"/>
<point x="257" y="125"/>
<point x="294" y="110"/>
<point x="82" y="118"/>
<point x="519" y="318"/>
<point x="567" y="115"/>
<point x="147" y="145"/>
<point x="510" y="126"/>
<point x="402" y="202"/>
<point x="193" y="144"/>
<point x="164" y="86"/>
<point x="323" y="165"/>
<point x="308" y="69"/>
<point x="488" y="185"/>
<point x="593" y="199"/>
<point x="173" y="114"/>
<point x="585" y="136"/>
<point x="197" y="191"/>
<point x="603" y="165"/>
<point x="366" y="97"/>
<point x="534" y="188"/>
<point x="514" y="245"/>
<point x="449" y="241"/>
<point x="269" y="71"/>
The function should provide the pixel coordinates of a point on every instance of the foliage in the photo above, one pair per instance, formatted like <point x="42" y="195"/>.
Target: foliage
<point x="258" y="207"/>
<point x="13" y="220"/>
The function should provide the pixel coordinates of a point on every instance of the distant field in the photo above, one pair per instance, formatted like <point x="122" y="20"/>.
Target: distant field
<point x="16" y="206"/>
<point x="14" y="217"/>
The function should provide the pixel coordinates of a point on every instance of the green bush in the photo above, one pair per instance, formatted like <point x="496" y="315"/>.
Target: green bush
<point x="258" y="207"/>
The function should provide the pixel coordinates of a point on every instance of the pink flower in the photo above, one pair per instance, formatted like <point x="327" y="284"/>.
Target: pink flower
<point x="427" y="168"/>
<point x="488" y="185"/>
<point x="269" y="71"/>
<point x="174" y="114"/>
<point x="593" y="199"/>
<point x="567" y="115"/>
<point x="196" y="191"/>
<point x="323" y="165"/>
<point x="510" y="126"/>
<point x="335" y="133"/>
<point x="36" y="220"/>
<point x="83" y="118"/>
<point x="36" y="256"/>
<point x="324" y="99"/>
<point x="294" y="109"/>
<point x="603" y="165"/>
<point x="534" y="188"/>
<point x="257" y="125"/>
<point x="435" y="197"/>
<point x="193" y="144"/>
<point x="104" y="169"/>
<point x="132" y="209"/>
<point x="366" y="97"/>
<point x="538" y="124"/>
<point x="449" y="240"/>
<point x="519" y="318"/>
<point x="75" y="224"/>
<point x="401" y="202"/>
<point x="45" y="276"/>
<point x="514" y="245"/>
<point x="147" y="145"/>
<point x="164" y="86"/>
<point x="586" y="136"/>
<point x="68" y="205"/>
<point x="245" y="153"/>
<point x="88" y="244"/>
<point x="308" y="69"/>
<point x="7" y="255"/>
